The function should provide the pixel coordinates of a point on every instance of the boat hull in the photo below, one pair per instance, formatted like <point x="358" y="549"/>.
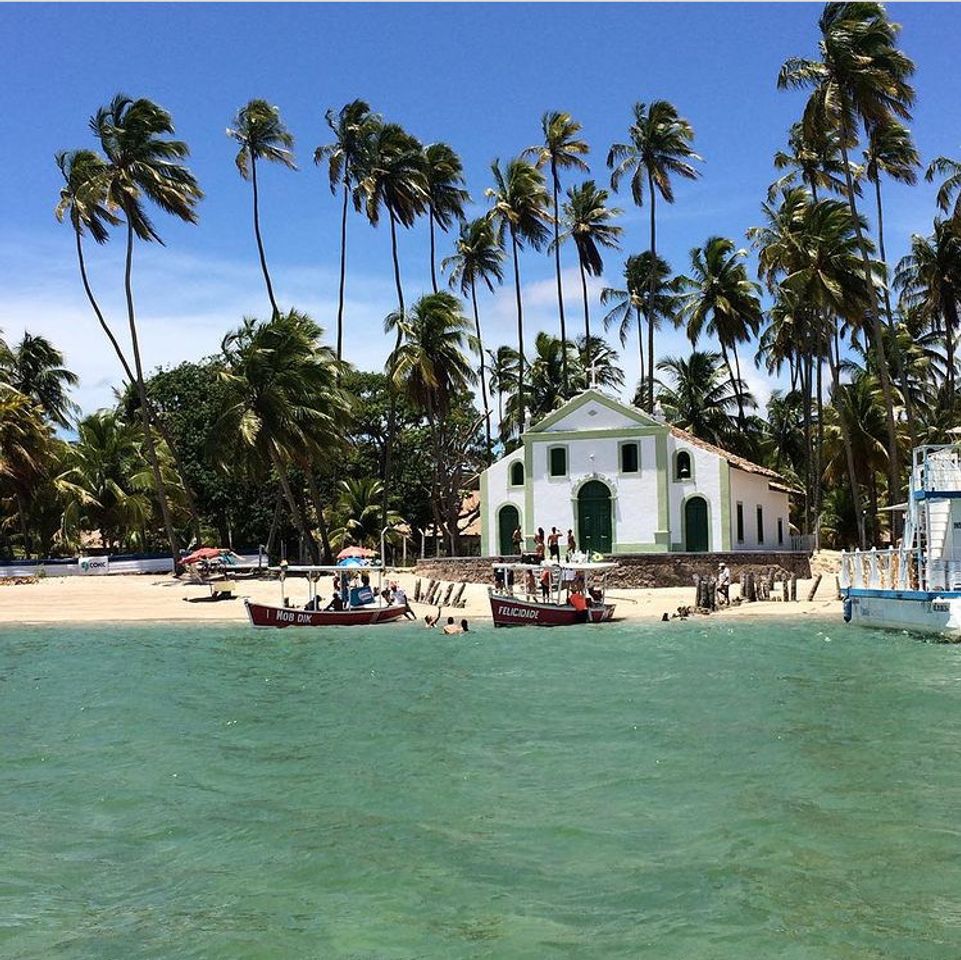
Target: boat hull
<point x="917" y="611"/>
<point x="264" y="615"/>
<point x="511" y="612"/>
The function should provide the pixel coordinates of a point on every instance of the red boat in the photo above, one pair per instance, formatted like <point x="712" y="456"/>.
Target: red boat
<point x="581" y="605"/>
<point x="359" y="604"/>
<point x="264" y="615"/>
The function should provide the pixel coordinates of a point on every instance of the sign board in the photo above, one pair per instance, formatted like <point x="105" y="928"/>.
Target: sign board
<point x="94" y="565"/>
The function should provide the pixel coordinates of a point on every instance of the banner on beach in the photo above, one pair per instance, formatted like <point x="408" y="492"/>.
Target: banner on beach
<point x="94" y="566"/>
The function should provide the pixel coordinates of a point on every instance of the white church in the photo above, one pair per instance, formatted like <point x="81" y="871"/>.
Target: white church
<point x="627" y="482"/>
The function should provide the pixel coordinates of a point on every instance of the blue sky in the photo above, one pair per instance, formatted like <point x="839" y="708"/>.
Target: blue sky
<point x="478" y="76"/>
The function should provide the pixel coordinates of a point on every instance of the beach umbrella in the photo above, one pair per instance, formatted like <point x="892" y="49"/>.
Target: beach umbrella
<point x="204" y="553"/>
<point x="356" y="553"/>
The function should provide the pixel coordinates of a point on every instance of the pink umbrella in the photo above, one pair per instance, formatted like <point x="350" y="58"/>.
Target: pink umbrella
<point x="355" y="552"/>
<point x="204" y="553"/>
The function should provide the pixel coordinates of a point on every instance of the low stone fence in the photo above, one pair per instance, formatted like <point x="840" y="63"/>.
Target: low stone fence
<point x="642" y="569"/>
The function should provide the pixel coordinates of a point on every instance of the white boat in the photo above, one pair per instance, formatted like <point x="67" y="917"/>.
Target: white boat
<point x="917" y="585"/>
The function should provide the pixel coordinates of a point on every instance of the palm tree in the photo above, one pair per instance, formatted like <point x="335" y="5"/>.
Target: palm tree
<point x="351" y="126"/>
<point x="587" y="220"/>
<point x="504" y="364"/>
<point x="143" y="164"/>
<point x="477" y="256"/>
<point x="357" y="513"/>
<point x="860" y="407"/>
<point x="283" y="404"/>
<point x="951" y="171"/>
<point x="24" y="441"/>
<point x="861" y="76"/>
<point x="35" y="368"/>
<point x="261" y="133"/>
<point x="446" y="196"/>
<point x="598" y="364"/>
<point x="637" y="272"/>
<point x="546" y="384"/>
<point x="562" y="149"/>
<point x="699" y="397"/>
<point x="392" y="177"/>
<point x="84" y="199"/>
<point x="809" y="251"/>
<point x="891" y="151"/>
<point x="519" y="210"/>
<point x="812" y="157"/>
<point x="432" y="367"/>
<point x="720" y="299"/>
<point x="106" y="481"/>
<point x="660" y="145"/>
<point x="929" y="279"/>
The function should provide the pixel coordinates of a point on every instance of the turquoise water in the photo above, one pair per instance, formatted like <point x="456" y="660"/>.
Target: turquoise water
<point x="689" y="791"/>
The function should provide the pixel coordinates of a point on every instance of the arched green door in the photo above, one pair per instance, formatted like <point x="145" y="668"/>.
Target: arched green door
<point x="695" y="525"/>
<point x="594" y="517"/>
<point x="508" y="520"/>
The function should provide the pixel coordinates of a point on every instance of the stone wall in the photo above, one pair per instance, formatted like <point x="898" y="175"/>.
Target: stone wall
<point x="640" y="569"/>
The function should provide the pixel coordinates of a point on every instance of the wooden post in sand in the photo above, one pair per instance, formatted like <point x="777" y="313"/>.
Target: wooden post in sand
<point x="814" y="588"/>
<point x="794" y="588"/>
<point x="750" y="587"/>
<point x="417" y="591"/>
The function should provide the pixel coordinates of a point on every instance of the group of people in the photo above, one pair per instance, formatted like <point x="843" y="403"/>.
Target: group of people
<point x="346" y="594"/>
<point x="546" y="544"/>
<point x="450" y="628"/>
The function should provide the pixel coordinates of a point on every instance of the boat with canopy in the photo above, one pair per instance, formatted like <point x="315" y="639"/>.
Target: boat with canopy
<point x="353" y="602"/>
<point x="570" y="593"/>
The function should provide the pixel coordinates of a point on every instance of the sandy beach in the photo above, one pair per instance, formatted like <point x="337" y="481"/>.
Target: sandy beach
<point x="157" y="598"/>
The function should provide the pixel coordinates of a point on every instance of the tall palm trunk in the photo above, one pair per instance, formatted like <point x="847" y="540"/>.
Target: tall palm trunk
<point x="144" y="412"/>
<point x="433" y="269"/>
<point x="318" y="502"/>
<point x="154" y="417"/>
<point x="819" y="447"/>
<point x="589" y="360"/>
<point x="260" y="242"/>
<point x="806" y="370"/>
<point x="557" y="270"/>
<point x="24" y="528"/>
<point x="483" y="370"/>
<point x="296" y="514"/>
<point x="520" y="337"/>
<point x="834" y="362"/>
<point x="950" y="312"/>
<point x="640" y="352"/>
<point x="892" y="326"/>
<point x="735" y="386"/>
<point x="650" y="298"/>
<point x="877" y="335"/>
<point x="392" y="411"/>
<point x="343" y="269"/>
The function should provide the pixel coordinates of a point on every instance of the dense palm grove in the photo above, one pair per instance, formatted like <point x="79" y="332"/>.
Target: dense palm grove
<point x="278" y="439"/>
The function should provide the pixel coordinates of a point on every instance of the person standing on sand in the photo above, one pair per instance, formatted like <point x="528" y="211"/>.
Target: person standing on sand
<point x="724" y="582"/>
<point x="553" y="543"/>
<point x="539" y="544"/>
<point x="516" y="538"/>
<point x="571" y="545"/>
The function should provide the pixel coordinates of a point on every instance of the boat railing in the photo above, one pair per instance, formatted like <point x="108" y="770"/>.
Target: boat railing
<point x="892" y="569"/>
<point x="937" y="468"/>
